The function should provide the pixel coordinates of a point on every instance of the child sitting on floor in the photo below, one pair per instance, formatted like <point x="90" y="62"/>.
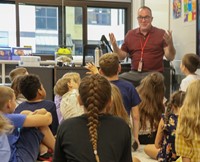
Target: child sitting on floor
<point x="29" y="128"/>
<point x="164" y="148"/>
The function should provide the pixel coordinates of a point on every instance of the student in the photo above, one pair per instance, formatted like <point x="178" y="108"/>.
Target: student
<point x="17" y="71"/>
<point x="187" y="142"/>
<point x="164" y="148"/>
<point x="151" y="91"/>
<point x="66" y="90"/>
<point x="15" y="86"/>
<point x="110" y="68"/>
<point x="117" y="108"/>
<point x="104" y="137"/>
<point x="5" y="128"/>
<point x="188" y="66"/>
<point x="29" y="128"/>
<point x="33" y="90"/>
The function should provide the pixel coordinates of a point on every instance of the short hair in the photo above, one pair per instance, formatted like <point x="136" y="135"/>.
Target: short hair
<point x="29" y="86"/>
<point x="17" y="71"/>
<point x="109" y="64"/>
<point x="191" y="62"/>
<point x="6" y="94"/>
<point x="145" y="7"/>
<point x="61" y="86"/>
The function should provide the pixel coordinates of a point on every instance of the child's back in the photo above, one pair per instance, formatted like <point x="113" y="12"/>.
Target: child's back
<point x="48" y="105"/>
<point x="187" y="140"/>
<point x="164" y="149"/>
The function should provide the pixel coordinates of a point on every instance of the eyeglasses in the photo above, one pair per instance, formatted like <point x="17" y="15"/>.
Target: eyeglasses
<point x="140" y="18"/>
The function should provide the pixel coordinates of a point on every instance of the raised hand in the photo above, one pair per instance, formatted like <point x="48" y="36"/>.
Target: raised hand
<point x="168" y="37"/>
<point x="92" y="68"/>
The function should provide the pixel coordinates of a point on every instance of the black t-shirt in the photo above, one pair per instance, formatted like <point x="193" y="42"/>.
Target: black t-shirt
<point x="73" y="142"/>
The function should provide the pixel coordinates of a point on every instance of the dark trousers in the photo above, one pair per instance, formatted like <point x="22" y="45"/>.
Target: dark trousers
<point x="134" y="77"/>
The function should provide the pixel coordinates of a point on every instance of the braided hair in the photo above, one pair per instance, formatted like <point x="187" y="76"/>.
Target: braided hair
<point x="95" y="93"/>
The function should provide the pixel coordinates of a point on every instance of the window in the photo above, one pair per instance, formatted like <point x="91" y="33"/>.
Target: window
<point x="41" y="34"/>
<point x="46" y="18"/>
<point x="7" y="28"/>
<point x="99" y="16"/>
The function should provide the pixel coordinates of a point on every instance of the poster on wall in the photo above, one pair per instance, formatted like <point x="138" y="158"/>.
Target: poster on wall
<point x="177" y="9"/>
<point x="189" y="10"/>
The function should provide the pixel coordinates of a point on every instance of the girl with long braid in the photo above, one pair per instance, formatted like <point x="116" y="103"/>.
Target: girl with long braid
<point x="94" y="136"/>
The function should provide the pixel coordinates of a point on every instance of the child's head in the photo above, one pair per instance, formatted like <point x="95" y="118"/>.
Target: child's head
<point x="109" y="64"/>
<point x="15" y="85"/>
<point x="177" y="98"/>
<point x="68" y="81"/>
<point x="174" y="104"/>
<point x="189" y="120"/>
<point x="95" y="95"/>
<point x="16" y="72"/>
<point x="151" y="91"/>
<point x="117" y="108"/>
<point x="190" y="61"/>
<point x="31" y="87"/>
<point x="7" y="99"/>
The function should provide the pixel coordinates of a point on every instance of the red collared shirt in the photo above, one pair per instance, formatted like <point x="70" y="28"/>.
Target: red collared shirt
<point x="153" y="50"/>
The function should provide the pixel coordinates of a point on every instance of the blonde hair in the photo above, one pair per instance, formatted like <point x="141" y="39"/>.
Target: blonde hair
<point x="117" y="108"/>
<point x="6" y="94"/>
<point x="17" y="71"/>
<point x="61" y="86"/>
<point x="189" y="119"/>
<point x="5" y="125"/>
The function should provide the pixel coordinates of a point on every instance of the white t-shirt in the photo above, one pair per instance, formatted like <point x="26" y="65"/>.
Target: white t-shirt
<point x="69" y="106"/>
<point x="187" y="80"/>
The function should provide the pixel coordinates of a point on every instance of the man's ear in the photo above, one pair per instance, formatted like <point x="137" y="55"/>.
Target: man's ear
<point x="79" y="100"/>
<point x="100" y="72"/>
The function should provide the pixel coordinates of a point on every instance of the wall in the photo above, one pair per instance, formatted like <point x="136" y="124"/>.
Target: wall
<point x="184" y="33"/>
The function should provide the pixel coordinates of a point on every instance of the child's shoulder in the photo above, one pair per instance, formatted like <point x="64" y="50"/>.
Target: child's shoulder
<point x="16" y="119"/>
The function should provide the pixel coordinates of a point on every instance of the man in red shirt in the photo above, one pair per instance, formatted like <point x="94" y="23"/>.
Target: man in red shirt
<point x="146" y="46"/>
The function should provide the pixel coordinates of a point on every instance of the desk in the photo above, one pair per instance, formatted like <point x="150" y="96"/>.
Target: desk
<point x="15" y="62"/>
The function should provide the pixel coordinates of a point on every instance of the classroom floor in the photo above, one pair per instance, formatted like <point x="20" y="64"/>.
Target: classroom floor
<point x="142" y="156"/>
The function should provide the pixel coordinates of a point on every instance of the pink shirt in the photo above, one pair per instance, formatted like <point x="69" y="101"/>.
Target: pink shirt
<point x="153" y="50"/>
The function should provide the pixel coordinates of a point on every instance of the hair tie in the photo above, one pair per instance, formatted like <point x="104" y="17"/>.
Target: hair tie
<point x="95" y="152"/>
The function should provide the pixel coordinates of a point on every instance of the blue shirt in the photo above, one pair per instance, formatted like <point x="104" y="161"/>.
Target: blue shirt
<point x="4" y="148"/>
<point x="17" y="120"/>
<point x="129" y="94"/>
